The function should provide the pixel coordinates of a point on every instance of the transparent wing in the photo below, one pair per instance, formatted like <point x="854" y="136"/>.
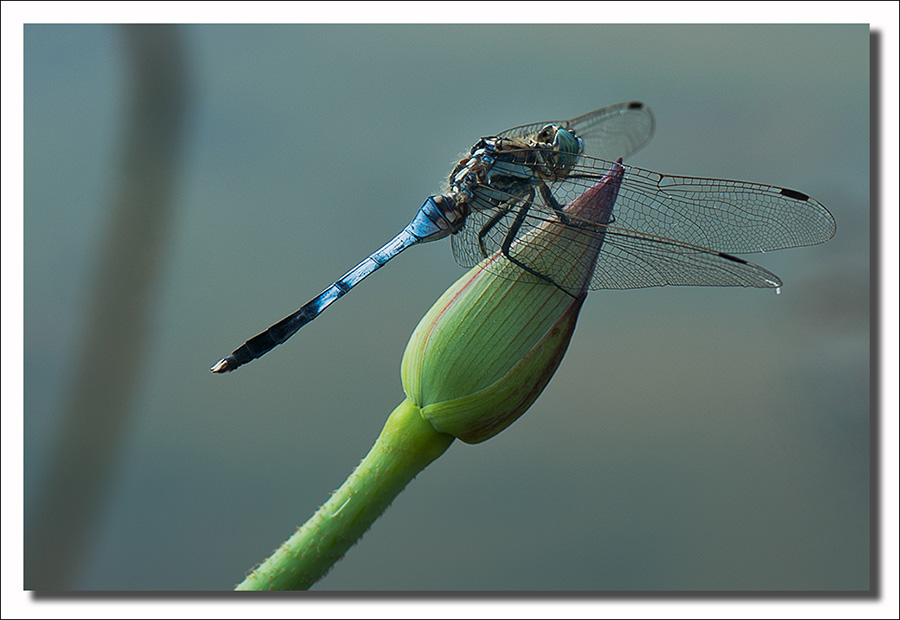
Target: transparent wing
<point x="615" y="131"/>
<point x="628" y="259"/>
<point x="635" y="260"/>
<point x="717" y="214"/>
<point x="665" y="229"/>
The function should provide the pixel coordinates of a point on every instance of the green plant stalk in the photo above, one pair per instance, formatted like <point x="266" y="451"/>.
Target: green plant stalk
<point x="406" y="446"/>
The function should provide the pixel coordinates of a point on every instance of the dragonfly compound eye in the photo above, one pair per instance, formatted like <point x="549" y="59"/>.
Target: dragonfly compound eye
<point x="568" y="146"/>
<point x="559" y="149"/>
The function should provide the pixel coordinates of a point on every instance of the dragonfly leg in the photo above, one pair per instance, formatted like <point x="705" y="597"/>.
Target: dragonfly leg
<point x="489" y="225"/>
<point x="511" y="236"/>
<point x="551" y="202"/>
<point x="564" y="219"/>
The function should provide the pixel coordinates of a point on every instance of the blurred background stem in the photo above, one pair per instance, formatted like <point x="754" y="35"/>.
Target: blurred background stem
<point x="109" y="358"/>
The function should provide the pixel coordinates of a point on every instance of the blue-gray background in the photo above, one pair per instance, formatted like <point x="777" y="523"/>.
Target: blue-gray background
<point x="692" y="439"/>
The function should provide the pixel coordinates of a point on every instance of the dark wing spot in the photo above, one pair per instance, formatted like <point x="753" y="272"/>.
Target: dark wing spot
<point x="733" y="258"/>
<point x="634" y="105"/>
<point x="794" y="194"/>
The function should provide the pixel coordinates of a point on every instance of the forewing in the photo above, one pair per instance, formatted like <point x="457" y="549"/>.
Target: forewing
<point x="716" y="214"/>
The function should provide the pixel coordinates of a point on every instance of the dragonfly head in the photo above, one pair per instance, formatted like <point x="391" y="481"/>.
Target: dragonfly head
<point x="561" y="147"/>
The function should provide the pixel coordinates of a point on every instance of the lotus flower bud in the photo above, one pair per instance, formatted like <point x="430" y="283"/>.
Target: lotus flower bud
<point x="488" y="347"/>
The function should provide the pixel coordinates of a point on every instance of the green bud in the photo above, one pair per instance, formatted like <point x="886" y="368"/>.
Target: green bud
<point x="485" y="351"/>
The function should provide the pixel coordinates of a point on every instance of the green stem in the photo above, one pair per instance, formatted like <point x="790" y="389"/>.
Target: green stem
<point x="406" y="446"/>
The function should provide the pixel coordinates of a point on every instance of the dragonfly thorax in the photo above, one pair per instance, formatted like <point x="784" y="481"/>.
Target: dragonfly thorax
<point x="503" y="163"/>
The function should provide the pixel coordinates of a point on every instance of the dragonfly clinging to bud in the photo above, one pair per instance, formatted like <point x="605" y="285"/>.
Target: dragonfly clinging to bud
<point x="666" y="230"/>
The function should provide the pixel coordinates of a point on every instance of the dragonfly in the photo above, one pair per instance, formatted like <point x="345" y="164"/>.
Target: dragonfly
<point x="666" y="229"/>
